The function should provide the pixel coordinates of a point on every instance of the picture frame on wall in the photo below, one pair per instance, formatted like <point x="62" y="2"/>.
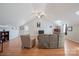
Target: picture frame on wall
<point x="69" y="28"/>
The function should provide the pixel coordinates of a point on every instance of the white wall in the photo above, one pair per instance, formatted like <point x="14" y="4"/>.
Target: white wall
<point x="13" y="31"/>
<point x="74" y="34"/>
<point x="45" y="25"/>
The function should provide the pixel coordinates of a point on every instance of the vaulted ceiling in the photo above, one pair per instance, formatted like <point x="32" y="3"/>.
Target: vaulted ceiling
<point x="15" y="14"/>
<point x="19" y="13"/>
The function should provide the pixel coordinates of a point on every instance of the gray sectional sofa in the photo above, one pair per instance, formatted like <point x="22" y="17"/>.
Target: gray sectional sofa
<point x="48" y="41"/>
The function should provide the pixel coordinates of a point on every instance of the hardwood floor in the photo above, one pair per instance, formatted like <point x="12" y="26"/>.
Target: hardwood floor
<point x="13" y="48"/>
<point x="71" y="48"/>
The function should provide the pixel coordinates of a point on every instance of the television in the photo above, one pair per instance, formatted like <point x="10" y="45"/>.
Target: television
<point x="41" y="32"/>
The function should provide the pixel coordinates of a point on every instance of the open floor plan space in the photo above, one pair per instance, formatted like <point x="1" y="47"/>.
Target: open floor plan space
<point x="39" y="29"/>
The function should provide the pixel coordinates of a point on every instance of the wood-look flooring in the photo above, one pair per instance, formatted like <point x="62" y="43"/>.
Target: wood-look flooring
<point x="71" y="48"/>
<point x="13" y="48"/>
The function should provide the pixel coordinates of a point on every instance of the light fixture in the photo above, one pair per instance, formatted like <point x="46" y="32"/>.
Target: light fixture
<point x="38" y="13"/>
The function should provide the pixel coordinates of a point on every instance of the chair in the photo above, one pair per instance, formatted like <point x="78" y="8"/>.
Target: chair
<point x="27" y="42"/>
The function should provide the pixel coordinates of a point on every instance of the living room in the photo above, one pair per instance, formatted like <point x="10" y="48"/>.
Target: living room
<point x="38" y="28"/>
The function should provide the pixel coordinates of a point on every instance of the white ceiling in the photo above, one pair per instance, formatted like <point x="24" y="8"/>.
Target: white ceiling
<point x="15" y="14"/>
<point x="64" y="12"/>
<point x="20" y="13"/>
